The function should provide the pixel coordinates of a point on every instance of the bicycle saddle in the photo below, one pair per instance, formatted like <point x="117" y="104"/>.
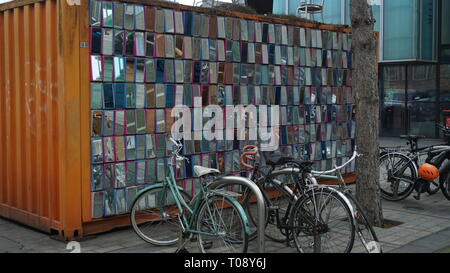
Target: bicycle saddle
<point x="278" y="159"/>
<point x="412" y="137"/>
<point x="201" y="171"/>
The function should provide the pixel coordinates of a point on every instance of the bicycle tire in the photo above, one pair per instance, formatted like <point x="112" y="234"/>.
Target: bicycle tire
<point x="272" y="231"/>
<point x="148" y="224"/>
<point x="387" y="192"/>
<point x="225" y="240"/>
<point x="444" y="181"/>
<point x="306" y="223"/>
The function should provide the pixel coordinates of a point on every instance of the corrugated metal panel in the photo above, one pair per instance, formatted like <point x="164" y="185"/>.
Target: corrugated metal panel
<point x="30" y="141"/>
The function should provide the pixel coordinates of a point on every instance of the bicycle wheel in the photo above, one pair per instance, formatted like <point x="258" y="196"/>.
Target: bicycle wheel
<point x="221" y="226"/>
<point x="444" y="184"/>
<point x="278" y="205"/>
<point x="434" y="187"/>
<point x="365" y="231"/>
<point x="322" y="222"/>
<point x="154" y="216"/>
<point x="394" y="187"/>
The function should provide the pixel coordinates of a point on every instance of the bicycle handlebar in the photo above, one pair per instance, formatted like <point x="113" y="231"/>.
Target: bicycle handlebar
<point x="355" y="155"/>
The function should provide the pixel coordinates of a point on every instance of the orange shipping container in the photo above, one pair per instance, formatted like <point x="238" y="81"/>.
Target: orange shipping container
<point x="45" y="163"/>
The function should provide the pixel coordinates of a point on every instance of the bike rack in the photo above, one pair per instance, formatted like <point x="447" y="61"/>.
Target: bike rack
<point x="235" y="180"/>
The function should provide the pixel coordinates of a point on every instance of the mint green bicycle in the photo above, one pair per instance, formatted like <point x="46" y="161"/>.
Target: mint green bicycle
<point x="213" y="218"/>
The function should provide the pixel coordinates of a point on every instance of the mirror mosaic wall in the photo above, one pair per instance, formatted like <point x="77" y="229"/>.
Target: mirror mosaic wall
<point x="145" y="60"/>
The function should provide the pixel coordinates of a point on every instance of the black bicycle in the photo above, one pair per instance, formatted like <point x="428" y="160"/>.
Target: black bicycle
<point x="314" y="218"/>
<point x="399" y="168"/>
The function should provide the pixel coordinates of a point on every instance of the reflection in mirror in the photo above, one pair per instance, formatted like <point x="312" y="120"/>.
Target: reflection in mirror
<point x="150" y="146"/>
<point x="139" y="44"/>
<point x="108" y="68"/>
<point x="96" y="18"/>
<point x="251" y="53"/>
<point x="96" y="123"/>
<point x="179" y="71"/>
<point x="130" y="95"/>
<point x="212" y="27"/>
<point x="169" y="21"/>
<point x="220" y="27"/>
<point x="140" y="95"/>
<point x="96" y="41"/>
<point x="187" y="47"/>
<point x="151" y="171"/>
<point x="169" y="46"/>
<point x="244" y="30"/>
<point x="129" y="17"/>
<point x="205" y="26"/>
<point x="221" y="50"/>
<point x="129" y="44"/>
<point x="118" y="42"/>
<point x="161" y="169"/>
<point x="204" y="49"/>
<point x="120" y="148"/>
<point x="150" y="44"/>
<point x="213" y="73"/>
<point x="130" y="69"/>
<point x="179" y="95"/>
<point x="169" y="71"/>
<point x="150" y="121"/>
<point x="179" y="46"/>
<point x="97" y="150"/>
<point x="96" y="95"/>
<point x="140" y="143"/>
<point x="118" y="14"/>
<point x="187" y="71"/>
<point x="131" y="122"/>
<point x="179" y="26"/>
<point x="140" y="173"/>
<point x="108" y="123"/>
<point x="236" y="29"/>
<point x="159" y="24"/>
<point x="160" y="121"/>
<point x="160" y="145"/>
<point x="140" y="18"/>
<point x="196" y="48"/>
<point x="228" y="28"/>
<point x="97" y="178"/>
<point x="150" y="95"/>
<point x="149" y="70"/>
<point x="131" y="147"/>
<point x="160" y="96"/>
<point x="108" y="149"/>
<point x="140" y="65"/>
<point x="196" y="28"/>
<point x="160" y="65"/>
<point x="107" y="13"/>
<point x="96" y="68"/>
<point x="120" y="175"/>
<point x="131" y="173"/>
<point x="160" y="47"/>
<point x="119" y="119"/>
<point x="108" y="96"/>
<point x="119" y="69"/>
<point x="149" y="19"/>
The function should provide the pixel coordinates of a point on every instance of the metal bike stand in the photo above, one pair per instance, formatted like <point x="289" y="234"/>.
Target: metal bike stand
<point x="235" y="180"/>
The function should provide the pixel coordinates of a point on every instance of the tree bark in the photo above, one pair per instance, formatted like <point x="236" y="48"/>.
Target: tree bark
<point x="365" y="86"/>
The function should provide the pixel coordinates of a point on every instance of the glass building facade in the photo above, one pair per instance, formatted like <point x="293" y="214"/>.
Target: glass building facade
<point x="414" y="60"/>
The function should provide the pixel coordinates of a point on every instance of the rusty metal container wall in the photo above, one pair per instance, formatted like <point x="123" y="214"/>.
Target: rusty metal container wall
<point x="29" y="120"/>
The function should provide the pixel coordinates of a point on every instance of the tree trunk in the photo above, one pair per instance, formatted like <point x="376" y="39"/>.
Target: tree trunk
<point x="365" y="86"/>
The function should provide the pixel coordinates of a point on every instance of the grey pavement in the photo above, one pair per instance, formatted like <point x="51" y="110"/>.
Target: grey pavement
<point x="424" y="227"/>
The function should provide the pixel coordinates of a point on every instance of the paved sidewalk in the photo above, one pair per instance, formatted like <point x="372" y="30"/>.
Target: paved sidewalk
<point x="424" y="228"/>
